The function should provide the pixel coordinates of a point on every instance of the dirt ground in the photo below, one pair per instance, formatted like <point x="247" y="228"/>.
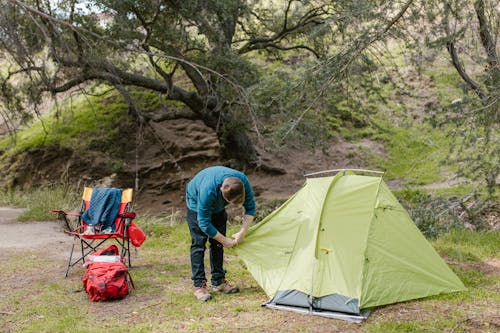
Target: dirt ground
<point x="28" y="236"/>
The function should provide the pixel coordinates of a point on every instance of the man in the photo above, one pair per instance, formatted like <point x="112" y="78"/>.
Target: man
<point x="207" y="195"/>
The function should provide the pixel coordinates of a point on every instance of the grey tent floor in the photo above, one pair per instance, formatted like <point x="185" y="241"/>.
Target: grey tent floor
<point x="328" y="314"/>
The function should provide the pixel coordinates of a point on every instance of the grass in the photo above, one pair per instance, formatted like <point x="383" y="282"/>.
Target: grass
<point x="39" y="202"/>
<point x="447" y="82"/>
<point x="45" y="301"/>
<point x="465" y="245"/>
<point x="35" y="297"/>
<point x="84" y="120"/>
<point x="413" y="154"/>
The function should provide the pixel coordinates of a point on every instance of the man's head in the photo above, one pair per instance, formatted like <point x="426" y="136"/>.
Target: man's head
<point x="233" y="190"/>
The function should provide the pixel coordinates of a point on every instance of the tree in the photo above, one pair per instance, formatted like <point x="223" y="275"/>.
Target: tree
<point x="470" y="30"/>
<point x="336" y="87"/>
<point x="193" y="52"/>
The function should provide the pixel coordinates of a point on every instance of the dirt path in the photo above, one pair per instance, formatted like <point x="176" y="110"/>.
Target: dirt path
<point x="31" y="236"/>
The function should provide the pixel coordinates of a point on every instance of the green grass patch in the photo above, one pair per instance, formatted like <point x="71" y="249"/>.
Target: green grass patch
<point x="448" y="83"/>
<point x="468" y="245"/>
<point x="434" y="326"/>
<point x="459" y="190"/>
<point x="414" y="154"/>
<point x="39" y="202"/>
<point x="79" y="122"/>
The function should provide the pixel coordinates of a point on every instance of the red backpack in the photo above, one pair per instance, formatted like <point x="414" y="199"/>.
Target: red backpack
<point x="105" y="280"/>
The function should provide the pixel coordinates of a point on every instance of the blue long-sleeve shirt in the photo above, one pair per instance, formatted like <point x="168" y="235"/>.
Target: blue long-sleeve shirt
<point x="203" y="195"/>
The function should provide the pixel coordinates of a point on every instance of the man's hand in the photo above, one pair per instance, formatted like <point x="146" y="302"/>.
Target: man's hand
<point x="229" y="242"/>
<point x="239" y="236"/>
<point x="225" y="241"/>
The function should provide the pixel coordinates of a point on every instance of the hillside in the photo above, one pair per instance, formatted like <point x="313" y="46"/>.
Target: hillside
<point x="167" y="154"/>
<point x="93" y="141"/>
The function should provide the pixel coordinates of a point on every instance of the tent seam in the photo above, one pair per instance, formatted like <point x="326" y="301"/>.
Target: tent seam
<point x="335" y="179"/>
<point x="332" y="183"/>
<point x="366" y="241"/>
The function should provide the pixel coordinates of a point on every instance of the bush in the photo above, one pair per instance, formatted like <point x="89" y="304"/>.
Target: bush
<point x="436" y="215"/>
<point x="267" y="207"/>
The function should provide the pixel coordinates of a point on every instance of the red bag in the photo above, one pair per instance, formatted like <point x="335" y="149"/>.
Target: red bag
<point x="136" y="235"/>
<point x="107" y="280"/>
<point x="110" y="250"/>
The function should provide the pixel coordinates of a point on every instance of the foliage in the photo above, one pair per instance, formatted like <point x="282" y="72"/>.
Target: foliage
<point x="296" y="105"/>
<point x="427" y="213"/>
<point x="335" y="75"/>
<point x="191" y="52"/>
<point x="202" y="54"/>
<point x="436" y="214"/>
<point x="468" y="30"/>
<point x="266" y="207"/>
<point x="476" y="150"/>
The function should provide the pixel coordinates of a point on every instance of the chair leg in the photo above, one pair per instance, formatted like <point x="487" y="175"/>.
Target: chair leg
<point x="128" y="250"/>
<point x="125" y="250"/>
<point x="83" y="251"/>
<point x="69" y="261"/>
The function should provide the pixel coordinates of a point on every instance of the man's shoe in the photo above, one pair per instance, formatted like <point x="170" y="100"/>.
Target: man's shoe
<point x="201" y="293"/>
<point x="225" y="288"/>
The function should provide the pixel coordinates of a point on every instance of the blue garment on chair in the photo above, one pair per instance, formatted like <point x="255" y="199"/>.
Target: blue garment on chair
<point x="104" y="205"/>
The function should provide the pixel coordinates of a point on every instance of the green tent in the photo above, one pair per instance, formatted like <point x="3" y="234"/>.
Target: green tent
<point x="342" y="245"/>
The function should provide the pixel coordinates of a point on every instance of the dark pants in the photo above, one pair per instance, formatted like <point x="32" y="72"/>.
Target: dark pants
<point x="198" y="243"/>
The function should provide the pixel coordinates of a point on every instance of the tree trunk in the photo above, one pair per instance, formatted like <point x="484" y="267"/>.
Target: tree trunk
<point x="235" y="144"/>
<point x="237" y="147"/>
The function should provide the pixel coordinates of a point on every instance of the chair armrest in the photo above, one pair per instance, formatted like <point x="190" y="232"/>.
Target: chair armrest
<point x="62" y="212"/>
<point x="62" y="215"/>
<point x="128" y="215"/>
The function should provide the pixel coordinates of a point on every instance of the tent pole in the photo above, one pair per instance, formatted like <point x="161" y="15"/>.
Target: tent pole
<point x="340" y="170"/>
<point x="311" y="297"/>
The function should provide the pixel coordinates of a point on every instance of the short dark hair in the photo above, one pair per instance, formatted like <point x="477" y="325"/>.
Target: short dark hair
<point x="233" y="189"/>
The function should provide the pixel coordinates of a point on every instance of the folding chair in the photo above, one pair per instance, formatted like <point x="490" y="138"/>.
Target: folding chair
<point x="90" y="237"/>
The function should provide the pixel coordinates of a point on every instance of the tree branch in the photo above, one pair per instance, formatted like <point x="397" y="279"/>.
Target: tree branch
<point x="484" y="32"/>
<point x="461" y="71"/>
<point x="294" y="47"/>
<point x="312" y="17"/>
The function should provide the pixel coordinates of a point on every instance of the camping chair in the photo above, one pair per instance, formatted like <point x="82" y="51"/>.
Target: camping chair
<point x="90" y="236"/>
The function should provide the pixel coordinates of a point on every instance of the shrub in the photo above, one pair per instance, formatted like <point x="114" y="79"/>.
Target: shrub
<point x="436" y="215"/>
